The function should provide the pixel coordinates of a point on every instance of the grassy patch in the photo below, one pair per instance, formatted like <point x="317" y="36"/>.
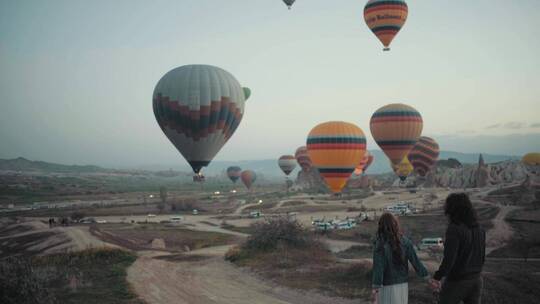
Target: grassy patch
<point x="90" y="276"/>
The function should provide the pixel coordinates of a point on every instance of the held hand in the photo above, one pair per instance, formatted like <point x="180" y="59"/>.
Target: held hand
<point x="374" y="295"/>
<point x="435" y="285"/>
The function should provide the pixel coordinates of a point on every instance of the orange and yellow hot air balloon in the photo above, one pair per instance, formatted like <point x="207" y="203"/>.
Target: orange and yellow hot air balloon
<point x="335" y="148"/>
<point x="531" y="161"/>
<point x="364" y="163"/>
<point x="403" y="169"/>
<point x="385" y="18"/>
<point x="396" y="128"/>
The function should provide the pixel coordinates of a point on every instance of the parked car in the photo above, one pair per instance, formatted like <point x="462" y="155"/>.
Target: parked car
<point x="323" y="226"/>
<point x="151" y="215"/>
<point x="431" y="243"/>
<point x="176" y="219"/>
<point x="101" y="221"/>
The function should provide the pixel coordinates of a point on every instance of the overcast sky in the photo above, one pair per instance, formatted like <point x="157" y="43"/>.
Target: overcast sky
<point x="76" y="77"/>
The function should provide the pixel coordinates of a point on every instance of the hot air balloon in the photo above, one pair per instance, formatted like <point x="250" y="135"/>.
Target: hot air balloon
<point x="248" y="178"/>
<point x="385" y="18"/>
<point x="335" y="148"/>
<point x="396" y="128"/>
<point x="531" y="161"/>
<point x="199" y="107"/>
<point x="234" y="173"/>
<point x="424" y="155"/>
<point x="403" y="169"/>
<point x="287" y="163"/>
<point x="289" y="3"/>
<point x="364" y="163"/>
<point x="302" y="157"/>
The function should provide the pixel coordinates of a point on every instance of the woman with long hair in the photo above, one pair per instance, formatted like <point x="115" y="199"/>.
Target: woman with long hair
<point x="464" y="254"/>
<point x="391" y="256"/>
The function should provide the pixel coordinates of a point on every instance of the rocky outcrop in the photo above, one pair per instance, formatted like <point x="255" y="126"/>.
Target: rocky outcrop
<point x="309" y="180"/>
<point x="477" y="176"/>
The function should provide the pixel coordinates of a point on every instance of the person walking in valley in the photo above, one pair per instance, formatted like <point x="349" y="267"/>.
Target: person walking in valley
<point x="464" y="254"/>
<point x="392" y="253"/>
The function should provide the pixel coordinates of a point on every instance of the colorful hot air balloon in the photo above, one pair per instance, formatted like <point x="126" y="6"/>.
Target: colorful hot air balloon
<point x="531" y="161"/>
<point x="234" y="173"/>
<point x="424" y="155"/>
<point x="385" y="18"/>
<point x="335" y="148"/>
<point x="198" y="107"/>
<point x="287" y="163"/>
<point x="403" y="169"/>
<point x="248" y="178"/>
<point x="302" y="157"/>
<point x="396" y="128"/>
<point x="364" y="163"/>
<point x="289" y="3"/>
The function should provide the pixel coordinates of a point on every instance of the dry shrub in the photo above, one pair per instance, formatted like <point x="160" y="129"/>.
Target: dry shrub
<point x="283" y="231"/>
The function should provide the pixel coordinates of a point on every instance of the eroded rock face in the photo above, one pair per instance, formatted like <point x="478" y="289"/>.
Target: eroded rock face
<point x="477" y="176"/>
<point x="306" y="180"/>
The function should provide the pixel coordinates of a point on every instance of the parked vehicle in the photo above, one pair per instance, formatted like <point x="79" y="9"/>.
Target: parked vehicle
<point x="176" y="219"/>
<point x="255" y="214"/>
<point x="323" y="226"/>
<point x="195" y="212"/>
<point x="101" y="221"/>
<point x="431" y="243"/>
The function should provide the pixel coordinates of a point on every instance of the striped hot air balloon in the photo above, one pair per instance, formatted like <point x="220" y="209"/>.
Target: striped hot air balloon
<point x="396" y="128"/>
<point x="403" y="169"/>
<point x="302" y="157"/>
<point x="335" y="148"/>
<point x="424" y="155"/>
<point x="364" y="163"/>
<point x="248" y="177"/>
<point x="234" y="173"/>
<point x="287" y="163"/>
<point x="385" y="18"/>
<point x="199" y="107"/>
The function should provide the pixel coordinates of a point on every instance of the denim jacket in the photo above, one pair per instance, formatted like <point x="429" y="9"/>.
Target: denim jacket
<point x="385" y="272"/>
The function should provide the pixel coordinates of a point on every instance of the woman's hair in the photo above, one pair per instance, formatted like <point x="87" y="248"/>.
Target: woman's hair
<point x="459" y="209"/>
<point x="389" y="231"/>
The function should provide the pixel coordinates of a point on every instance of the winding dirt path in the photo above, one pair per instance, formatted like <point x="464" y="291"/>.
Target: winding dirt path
<point x="210" y="281"/>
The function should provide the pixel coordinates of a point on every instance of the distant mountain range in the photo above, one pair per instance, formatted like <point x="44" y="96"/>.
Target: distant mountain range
<point x="23" y="164"/>
<point x="266" y="167"/>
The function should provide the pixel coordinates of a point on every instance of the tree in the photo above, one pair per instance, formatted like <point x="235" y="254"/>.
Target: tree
<point x="160" y="207"/>
<point x="163" y="194"/>
<point x="77" y="216"/>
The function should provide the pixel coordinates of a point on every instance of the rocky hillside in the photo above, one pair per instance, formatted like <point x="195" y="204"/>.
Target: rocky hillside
<point x="476" y="176"/>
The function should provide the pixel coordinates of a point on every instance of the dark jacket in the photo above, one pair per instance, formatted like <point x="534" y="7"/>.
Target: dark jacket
<point x="386" y="272"/>
<point x="464" y="253"/>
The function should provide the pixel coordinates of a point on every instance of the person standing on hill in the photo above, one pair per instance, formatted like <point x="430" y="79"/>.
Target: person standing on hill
<point x="391" y="256"/>
<point x="464" y="254"/>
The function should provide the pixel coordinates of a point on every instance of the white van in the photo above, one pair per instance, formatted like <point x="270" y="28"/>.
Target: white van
<point x="431" y="243"/>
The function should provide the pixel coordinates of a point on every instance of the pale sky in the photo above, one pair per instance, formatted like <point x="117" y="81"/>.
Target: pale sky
<point x="76" y="77"/>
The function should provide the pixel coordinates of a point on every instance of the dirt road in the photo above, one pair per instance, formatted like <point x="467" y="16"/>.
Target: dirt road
<point x="210" y="281"/>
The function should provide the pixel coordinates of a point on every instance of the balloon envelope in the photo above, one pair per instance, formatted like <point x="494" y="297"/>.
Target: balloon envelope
<point x="198" y="107"/>
<point x="424" y="155"/>
<point x="248" y="178"/>
<point x="287" y="163"/>
<point x="234" y="173"/>
<point x="289" y="3"/>
<point x="396" y="128"/>
<point x="364" y="163"/>
<point x="385" y="19"/>
<point x="302" y="157"/>
<point x="403" y="169"/>
<point x="531" y="161"/>
<point x="335" y="148"/>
